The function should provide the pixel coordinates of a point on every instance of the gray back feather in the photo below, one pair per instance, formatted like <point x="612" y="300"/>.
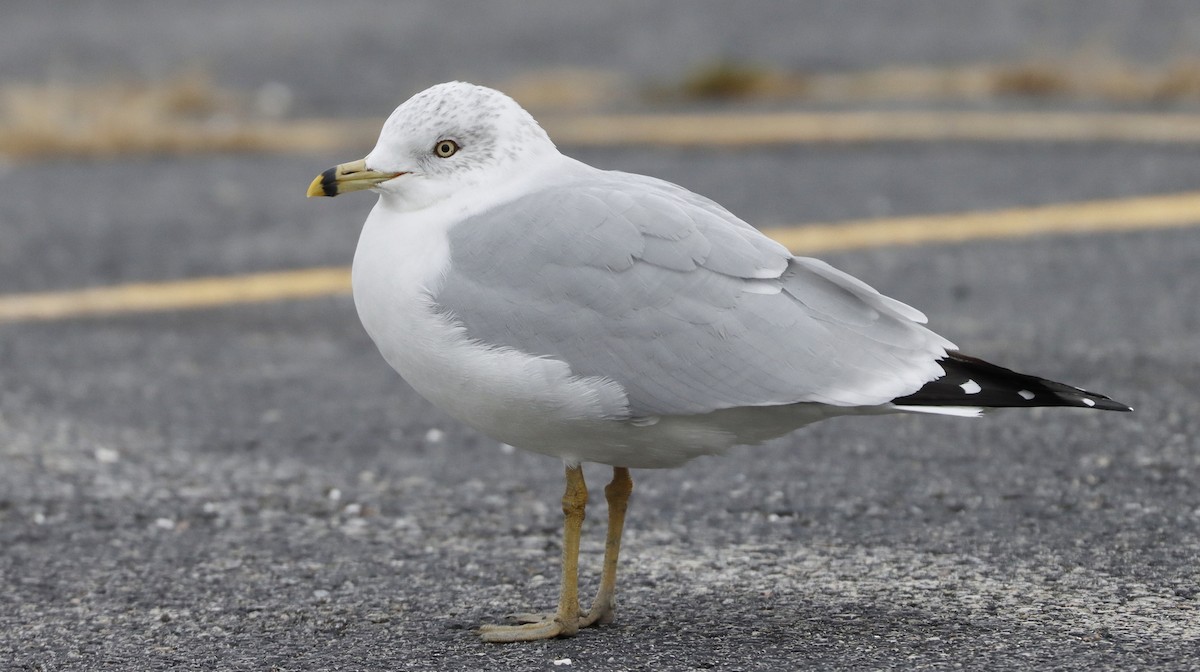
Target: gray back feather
<point x="686" y="306"/>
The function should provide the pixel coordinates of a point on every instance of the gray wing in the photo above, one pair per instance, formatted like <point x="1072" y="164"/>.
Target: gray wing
<point x="687" y="307"/>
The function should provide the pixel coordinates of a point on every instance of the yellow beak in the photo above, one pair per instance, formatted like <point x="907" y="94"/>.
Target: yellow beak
<point x="347" y="177"/>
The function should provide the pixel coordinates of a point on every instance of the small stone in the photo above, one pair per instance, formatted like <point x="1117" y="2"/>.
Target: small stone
<point x="106" y="455"/>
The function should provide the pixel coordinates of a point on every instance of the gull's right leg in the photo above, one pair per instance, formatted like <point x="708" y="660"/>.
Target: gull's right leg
<point x="566" y="621"/>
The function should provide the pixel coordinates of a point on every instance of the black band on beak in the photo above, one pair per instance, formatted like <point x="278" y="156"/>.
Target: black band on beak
<point x="329" y="182"/>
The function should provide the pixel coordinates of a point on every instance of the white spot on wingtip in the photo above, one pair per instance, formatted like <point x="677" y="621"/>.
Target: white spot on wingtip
<point x="970" y="387"/>
<point x="1026" y="394"/>
<point x="1089" y="402"/>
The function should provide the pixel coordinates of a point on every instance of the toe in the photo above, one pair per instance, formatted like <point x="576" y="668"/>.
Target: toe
<point x="543" y="629"/>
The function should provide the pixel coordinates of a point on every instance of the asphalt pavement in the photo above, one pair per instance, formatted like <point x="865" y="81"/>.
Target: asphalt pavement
<point x="252" y="488"/>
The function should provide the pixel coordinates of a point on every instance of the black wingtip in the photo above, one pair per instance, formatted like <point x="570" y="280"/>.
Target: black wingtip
<point x="1101" y="402"/>
<point x="970" y="381"/>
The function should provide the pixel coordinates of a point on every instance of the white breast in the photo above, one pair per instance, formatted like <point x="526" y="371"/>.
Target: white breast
<point x="531" y="402"/>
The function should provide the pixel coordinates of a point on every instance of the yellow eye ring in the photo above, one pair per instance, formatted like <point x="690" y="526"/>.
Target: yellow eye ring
<point x="445" y="148"/>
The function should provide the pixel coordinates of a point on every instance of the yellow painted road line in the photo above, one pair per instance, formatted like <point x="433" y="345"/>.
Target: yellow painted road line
<point x="1133" y="214"/>
<point x="175" y="295"/>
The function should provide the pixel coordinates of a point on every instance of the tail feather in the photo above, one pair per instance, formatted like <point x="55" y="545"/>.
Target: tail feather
<point x="970" y="381"/>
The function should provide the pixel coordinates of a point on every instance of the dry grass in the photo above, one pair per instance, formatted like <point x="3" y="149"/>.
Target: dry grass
<point x="189" y="113"/>
<point x="1098" y="80"/>
<point x="572" y="89"/>
<point x="725" y="80"/>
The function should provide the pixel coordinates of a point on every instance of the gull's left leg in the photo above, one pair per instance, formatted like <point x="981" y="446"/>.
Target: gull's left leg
<point x="617" y="492"/>
<point x="565" y="622"/>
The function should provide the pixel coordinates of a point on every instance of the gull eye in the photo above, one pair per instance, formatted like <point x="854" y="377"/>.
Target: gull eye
<point x="445" y="148"/>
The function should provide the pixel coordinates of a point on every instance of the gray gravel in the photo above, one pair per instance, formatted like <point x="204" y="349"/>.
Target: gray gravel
<point x="252" y="488"/>
<point x="247" y="487"/>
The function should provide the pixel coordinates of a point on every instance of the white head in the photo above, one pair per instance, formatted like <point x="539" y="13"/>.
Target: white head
<point x="447" y="138"/>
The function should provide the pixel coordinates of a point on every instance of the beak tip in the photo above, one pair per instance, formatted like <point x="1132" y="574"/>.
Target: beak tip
<point x="348" y="177"/>
<point x="323" y="185"/>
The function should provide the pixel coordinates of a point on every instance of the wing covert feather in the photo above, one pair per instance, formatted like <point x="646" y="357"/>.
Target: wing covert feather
<point x="687" y="307"/>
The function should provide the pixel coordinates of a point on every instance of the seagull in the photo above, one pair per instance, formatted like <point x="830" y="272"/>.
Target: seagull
<point x="618" y="319"/>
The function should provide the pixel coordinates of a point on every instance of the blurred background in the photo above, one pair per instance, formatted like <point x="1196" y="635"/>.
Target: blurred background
<point x="112" y="83"/>
<point x="338" y="58"/>
<point x="77" y="68"/>
<point x="249" y="486"/>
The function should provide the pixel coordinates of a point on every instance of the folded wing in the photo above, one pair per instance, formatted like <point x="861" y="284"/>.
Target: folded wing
<point x="687" y="307"/>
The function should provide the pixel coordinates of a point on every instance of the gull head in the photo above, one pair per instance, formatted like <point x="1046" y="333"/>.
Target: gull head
<point x="446" y="139"/>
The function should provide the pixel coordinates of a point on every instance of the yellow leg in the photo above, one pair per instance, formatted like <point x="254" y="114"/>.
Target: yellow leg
<point x="617" y="493"/>
<point x="566" y="621"/>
